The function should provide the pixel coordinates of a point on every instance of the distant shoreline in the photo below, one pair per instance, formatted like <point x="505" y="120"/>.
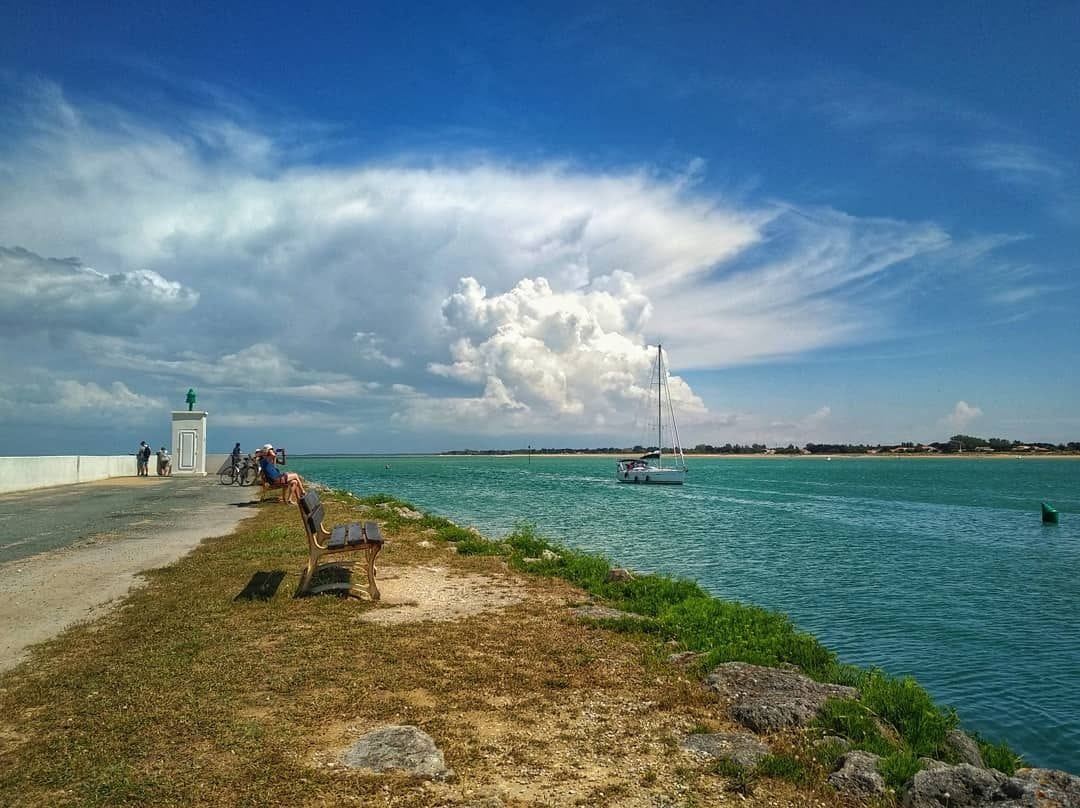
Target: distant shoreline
<point x="717" y="456"/>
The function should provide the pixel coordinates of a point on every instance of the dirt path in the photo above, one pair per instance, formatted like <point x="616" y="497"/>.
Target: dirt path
<point x="116" y="529"/>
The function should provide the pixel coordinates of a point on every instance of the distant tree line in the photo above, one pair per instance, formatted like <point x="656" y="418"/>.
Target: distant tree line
<point x="954" y="445"/>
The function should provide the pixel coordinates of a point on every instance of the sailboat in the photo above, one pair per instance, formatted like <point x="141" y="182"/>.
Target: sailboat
<point x="649" y="469"/>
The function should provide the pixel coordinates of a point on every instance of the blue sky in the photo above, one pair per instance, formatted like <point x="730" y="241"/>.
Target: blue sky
<point x="410" y="228"/>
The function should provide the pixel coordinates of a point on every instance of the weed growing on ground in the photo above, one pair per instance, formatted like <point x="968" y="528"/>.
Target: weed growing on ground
<point x="827" y="754"/>
<point x="727" y="768"/>
<point x="785" y="767"/>
<point x="742" y="782"/>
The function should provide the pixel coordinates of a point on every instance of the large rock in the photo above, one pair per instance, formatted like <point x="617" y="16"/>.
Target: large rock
<point x="738" y="747"/>
<point x="1050" y="787"/>
<point x="769" y="699"/>
<point x="964" y="748"/>
<point x="965" y="786"/>
<point x="401" y="748"/>
<point x="956" y="787"/>
<point x="857" y="773"/>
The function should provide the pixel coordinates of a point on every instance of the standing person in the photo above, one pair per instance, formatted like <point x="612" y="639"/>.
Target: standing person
<point x="143" y="460"/>
<point x="164" y="462"/>
<point x="235" y="456"/>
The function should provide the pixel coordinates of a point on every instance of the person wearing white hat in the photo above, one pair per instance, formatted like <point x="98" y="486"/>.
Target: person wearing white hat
<point x="291" y="482"/>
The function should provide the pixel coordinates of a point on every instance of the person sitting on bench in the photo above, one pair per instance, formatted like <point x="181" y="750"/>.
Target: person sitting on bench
<point x="288" y="480"/>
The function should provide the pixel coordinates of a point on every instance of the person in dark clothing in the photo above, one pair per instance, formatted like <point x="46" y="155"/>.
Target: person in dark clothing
<point x="142" y="465"/>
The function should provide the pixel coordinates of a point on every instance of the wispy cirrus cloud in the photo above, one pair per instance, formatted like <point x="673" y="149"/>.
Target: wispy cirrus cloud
<point x="908" y="122"/>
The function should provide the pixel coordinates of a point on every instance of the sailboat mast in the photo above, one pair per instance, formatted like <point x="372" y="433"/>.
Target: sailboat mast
<point x="659" y="406"/>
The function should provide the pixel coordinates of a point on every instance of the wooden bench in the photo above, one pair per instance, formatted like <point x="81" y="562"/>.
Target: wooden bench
<point x="353" y="537"/>
<point x="266" y="487"/>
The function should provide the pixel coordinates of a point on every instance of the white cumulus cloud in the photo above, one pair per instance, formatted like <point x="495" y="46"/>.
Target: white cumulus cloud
<point x="962" y="415"/>
<point x="59" y="295"/>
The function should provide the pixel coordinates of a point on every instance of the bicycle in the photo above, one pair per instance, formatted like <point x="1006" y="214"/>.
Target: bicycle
<point x="230" y="475"/>
<point x="246" y="472"/>
<point x="249" y="471"/>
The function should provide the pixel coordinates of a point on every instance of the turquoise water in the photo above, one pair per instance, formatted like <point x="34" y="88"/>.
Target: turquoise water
<point x="940" y="569"/>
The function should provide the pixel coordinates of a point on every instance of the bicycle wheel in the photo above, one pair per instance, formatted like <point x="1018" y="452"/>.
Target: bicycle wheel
<point x="248" y="475"/>
<point x="227" y="477"/>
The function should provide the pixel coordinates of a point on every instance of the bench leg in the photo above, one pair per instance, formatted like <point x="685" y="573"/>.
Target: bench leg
<point x="309" y="573"/>
<point x="370" y="551"/>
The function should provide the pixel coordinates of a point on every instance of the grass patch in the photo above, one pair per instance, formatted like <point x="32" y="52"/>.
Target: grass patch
<point x="853" y="720"/>
<point x="452" y="533"/>
<point x="784" y="767"/>
<point x="826" y="755"/>
<point x="898" y="768"/>
<point x="906" y="706"/>
<point x="999" y="756"/>
<point x="474" y="545"/>
<point x="728" y="768"/>
<point x="727" y="632"/>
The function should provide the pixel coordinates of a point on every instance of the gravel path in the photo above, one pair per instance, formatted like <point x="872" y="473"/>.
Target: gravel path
<point x="68" y="554"/>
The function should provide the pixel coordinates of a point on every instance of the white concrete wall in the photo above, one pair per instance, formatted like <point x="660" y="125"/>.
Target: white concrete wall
<point x="25" y="473"/>
<point x="214" y="462"/>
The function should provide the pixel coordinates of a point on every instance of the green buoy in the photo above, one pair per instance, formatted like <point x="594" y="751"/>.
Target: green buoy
<point x="1049" y="514"/>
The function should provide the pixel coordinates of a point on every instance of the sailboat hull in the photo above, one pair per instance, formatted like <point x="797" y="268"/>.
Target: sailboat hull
<point x="651" y="476"/>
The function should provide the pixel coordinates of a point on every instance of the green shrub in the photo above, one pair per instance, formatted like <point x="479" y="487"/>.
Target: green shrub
<point x="729" y="632"/>
<point x="585" y="570"/>
<point x="453" y="533"/>
<point x="852" y="720"/>
<point x="650" y="595"/>
<point x="383" y="501"/>
<point x="474" y="545"/>
<point x="898" y="768"/>
<point x="430" y="521"/>
<point x="527" y="543"/>
<point x="999" y="756"/>
<point x="902" y="703"/>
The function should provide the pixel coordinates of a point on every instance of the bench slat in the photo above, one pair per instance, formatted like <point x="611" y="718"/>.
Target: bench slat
<point x="344" y="536"/>
<point x="315" y="519"/>
<point x="309" y="502"/>
<point x="374" y="535"/>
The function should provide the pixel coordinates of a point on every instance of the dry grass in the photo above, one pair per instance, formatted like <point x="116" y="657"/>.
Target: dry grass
<point x="184" y="697"/>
